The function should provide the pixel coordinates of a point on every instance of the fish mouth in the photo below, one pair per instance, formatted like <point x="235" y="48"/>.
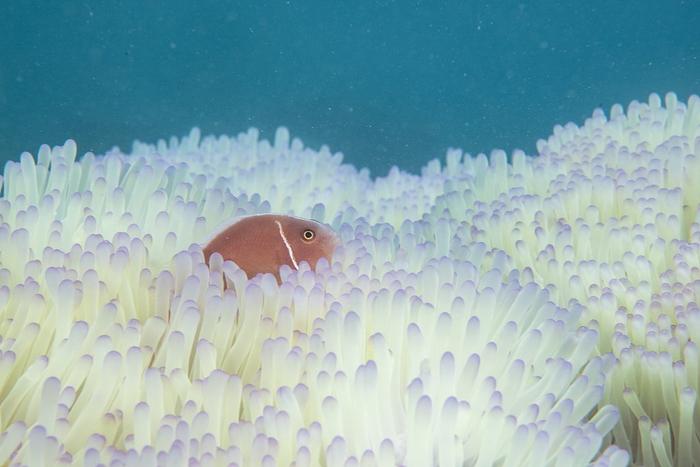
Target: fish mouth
<point x="333" y="244"/>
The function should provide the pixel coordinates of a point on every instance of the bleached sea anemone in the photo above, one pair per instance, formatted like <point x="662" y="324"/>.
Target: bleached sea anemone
<point x="537" y="312"/>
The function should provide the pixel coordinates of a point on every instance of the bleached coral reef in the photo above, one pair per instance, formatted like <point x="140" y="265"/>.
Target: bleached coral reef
<point x="541" y="311"/>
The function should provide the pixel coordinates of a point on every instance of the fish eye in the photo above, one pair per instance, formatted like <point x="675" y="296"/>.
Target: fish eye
<point x="308" y="235"/>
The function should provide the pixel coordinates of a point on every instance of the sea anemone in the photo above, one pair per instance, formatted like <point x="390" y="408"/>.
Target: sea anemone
<point x="541" y="311"/>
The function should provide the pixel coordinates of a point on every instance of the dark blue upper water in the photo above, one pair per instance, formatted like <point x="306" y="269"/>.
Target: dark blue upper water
<point x="385" y="82"/>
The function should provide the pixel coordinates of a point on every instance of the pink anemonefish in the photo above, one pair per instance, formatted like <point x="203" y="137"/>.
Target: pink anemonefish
<point x="262" y="243"/>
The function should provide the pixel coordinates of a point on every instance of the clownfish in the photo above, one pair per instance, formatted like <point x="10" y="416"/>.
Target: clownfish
<point x="262" y="243"/>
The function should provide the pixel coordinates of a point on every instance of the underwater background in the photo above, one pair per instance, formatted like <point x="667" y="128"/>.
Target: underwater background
<point x="385" y="82"/>
<point x="495" y="310"/>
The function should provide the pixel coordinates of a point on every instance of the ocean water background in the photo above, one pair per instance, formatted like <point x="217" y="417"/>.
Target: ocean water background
<point x="385" y="82"/>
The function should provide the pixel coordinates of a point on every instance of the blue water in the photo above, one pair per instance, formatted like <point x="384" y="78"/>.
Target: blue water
<point x="385" y="82"/>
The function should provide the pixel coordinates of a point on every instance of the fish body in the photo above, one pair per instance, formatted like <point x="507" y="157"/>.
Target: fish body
<point x="263" y="243"/>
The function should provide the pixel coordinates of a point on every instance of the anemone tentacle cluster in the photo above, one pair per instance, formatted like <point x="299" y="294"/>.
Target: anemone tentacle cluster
<point x="533" y="311"/>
